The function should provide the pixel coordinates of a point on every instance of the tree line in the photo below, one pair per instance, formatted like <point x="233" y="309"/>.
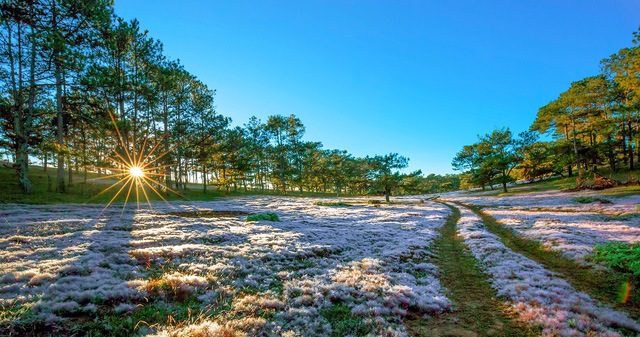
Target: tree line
<point x="82" y="87"/>
<point x="594" y="123"/>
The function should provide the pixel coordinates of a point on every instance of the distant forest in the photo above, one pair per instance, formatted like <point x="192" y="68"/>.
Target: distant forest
<point x="81" y="86"/>
<point x="593" y="124"/>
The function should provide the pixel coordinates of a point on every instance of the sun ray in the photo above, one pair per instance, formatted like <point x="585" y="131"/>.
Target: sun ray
<point x="138" y="168"/>
<point x="127" y="198"/>
<point x="155" y="147"/>
<point x="153" y="189"/>
<point x="156" y="159"/>
<point x="107" y="177"/>
<point x="112" y="168"/>
<point x="165" y="186"/>
<point x="155" y="174"/>
<point x="146" y="196"/>
<point x="137" y="195"/>
<point x="108" y="188"/>
<point x="121" y="161"/>
<point x="117" y="194"/>
<point x="156" y="167"/>
<point x="144" y="144"/>
<point x="120" y="136"/>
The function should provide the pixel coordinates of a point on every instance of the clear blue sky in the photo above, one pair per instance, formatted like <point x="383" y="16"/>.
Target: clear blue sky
<point x="421" y="78"/>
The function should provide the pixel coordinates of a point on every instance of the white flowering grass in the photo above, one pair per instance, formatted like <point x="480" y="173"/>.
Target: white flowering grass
<point x="559" y="223"/>
<point x="536" y="295"/>
<point x="289" y="277"/>
<point x="550" y="200"/>
<point x="573" y="235"/>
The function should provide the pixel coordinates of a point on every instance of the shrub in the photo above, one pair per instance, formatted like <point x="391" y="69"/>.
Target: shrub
<point x="264" y="216"/>
<point x="374" y="202"/>
<point x="602" y="183"/>
<point x="619" y="255"/>
<point x="333" y="204"/>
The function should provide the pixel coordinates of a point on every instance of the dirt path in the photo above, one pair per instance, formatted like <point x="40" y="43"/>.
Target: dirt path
<point x="476" y="311"/>
<point x="602" y="285"/>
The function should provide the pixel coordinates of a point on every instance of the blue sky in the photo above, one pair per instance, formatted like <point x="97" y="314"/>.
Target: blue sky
<point x="421" y="78"/>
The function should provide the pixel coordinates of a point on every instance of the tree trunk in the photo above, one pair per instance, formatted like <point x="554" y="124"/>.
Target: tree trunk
<point x="630" y="147"/>
<point x="566" y="138"/>
<point x="59" y="117"/>
<point x="70" y="170"/>
<point x="204" y="180"/>
<point x="179" y="181"/>
<point x="575" y="144"/>
<point x="60" y="130"/>
<point x="23" y="159"/>
<point x="167" y="159"/>
<point x="387" y="192"/>
<point x="20" y="115"/>
<point x="611" y="154"/>
<point x="84" y="153"/>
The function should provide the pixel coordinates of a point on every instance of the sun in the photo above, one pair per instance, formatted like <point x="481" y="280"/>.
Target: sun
<point x="136" y="172"/>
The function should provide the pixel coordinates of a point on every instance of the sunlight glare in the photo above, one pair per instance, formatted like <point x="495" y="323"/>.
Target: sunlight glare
<point x="136" y="172"/>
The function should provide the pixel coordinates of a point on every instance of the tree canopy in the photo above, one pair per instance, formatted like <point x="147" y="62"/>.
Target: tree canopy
<point x="594" y="123"/>
<point x="82" y="89"/>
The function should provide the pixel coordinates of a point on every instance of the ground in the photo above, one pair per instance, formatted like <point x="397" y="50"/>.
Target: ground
<point x="458" y="264"/>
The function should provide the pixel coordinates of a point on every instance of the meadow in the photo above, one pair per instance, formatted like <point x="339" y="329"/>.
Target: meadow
<point x="523" y="265"/>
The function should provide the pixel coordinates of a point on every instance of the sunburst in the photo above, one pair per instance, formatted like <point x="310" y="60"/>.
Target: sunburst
<point x="136" y="173"/>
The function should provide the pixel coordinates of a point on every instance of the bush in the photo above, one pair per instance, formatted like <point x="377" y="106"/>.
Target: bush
<point x="264" y="216"/>
<point x="619" y="255"/>
<point x="374" y="202"/>
<point x="334" y="204"/>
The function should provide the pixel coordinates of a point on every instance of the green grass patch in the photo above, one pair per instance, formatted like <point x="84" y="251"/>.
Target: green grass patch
<point x="263" y="216"/>
<point x="619" y="255"/>
<point x="588" y="200"/>
<point x="477" y="311"/>
<point x="621" y="191"/>
<point x="344" y="323"/>
<point x="332" y="204"/>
